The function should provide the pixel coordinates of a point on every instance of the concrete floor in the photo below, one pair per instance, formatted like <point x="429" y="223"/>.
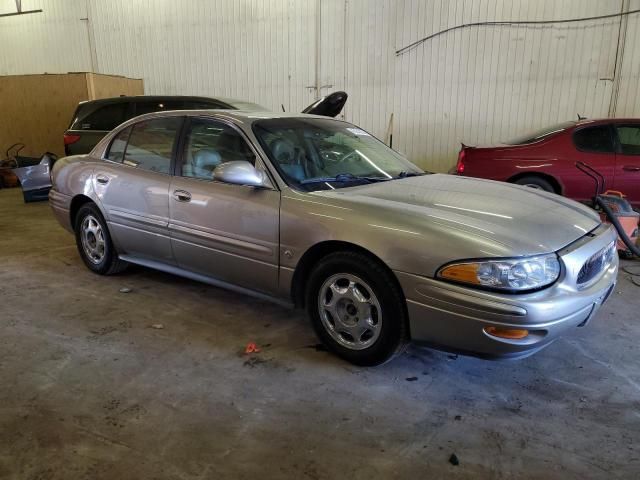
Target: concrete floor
<point x="89" y="390"/>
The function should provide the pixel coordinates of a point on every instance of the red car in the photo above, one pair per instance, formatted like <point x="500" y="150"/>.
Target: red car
<point x="546" y="159"/>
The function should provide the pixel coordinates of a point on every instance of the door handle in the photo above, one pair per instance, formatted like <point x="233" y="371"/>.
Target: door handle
<point x="182" y="195"/>
<point x="102" y="179"/>
<point x="631" y="168"/>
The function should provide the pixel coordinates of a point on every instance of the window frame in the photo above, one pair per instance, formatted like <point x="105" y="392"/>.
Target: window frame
<point x="179" y="161"/>
<point x="126" y="144"/>
<point x="618" y="144"/>
<point x="612" y="137"/>
<point x="131" y="126"/>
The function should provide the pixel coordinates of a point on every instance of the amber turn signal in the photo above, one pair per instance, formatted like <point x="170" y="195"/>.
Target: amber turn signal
<point x="464" y="272"/>
<point x="510" y="333"/>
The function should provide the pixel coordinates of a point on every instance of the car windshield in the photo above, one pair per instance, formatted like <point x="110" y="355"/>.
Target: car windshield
<point x="539" y="134"/>
<point x="321" y="154"/>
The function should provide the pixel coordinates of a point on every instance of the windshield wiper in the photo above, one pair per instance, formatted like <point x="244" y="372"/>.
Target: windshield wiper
<point x="343" y="177"/>
<point x="410" y="174"/>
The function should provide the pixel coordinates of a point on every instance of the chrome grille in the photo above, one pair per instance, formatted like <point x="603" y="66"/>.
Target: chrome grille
<point x="596" y="264"/>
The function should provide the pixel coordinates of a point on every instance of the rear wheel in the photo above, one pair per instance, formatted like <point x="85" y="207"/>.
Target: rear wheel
<point x="94" y="242"/>
<point x="536" y="182"/>
<point x="357" y="309"/>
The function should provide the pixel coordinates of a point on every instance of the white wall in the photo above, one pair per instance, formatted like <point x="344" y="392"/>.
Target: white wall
<point x="477" y="85"/>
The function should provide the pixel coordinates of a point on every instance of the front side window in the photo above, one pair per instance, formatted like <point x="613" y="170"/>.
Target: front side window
<point x="118" y="145"/>
<point x="151" y="144"/>
<point x="319" y="154"/>
<point x="210" y="143"/>
<point x="629" y="138"/>
<point x="594" y="139"/>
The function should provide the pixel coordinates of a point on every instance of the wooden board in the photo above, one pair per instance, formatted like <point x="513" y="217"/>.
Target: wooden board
<point x="37" y="109"/>
<point x="105" y="86"/>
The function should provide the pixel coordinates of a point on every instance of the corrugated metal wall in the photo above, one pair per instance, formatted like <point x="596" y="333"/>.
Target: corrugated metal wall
<point x="477" y="85"/>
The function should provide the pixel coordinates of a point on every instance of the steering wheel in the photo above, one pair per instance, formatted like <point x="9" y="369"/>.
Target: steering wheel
<point x="347" y="157"/>
<point x="335" y="157"/>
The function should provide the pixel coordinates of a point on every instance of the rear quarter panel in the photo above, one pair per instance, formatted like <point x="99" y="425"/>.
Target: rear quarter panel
<point x="505" y="162"/>
<point x="553" y="158"/>
<point x="71" y="176"/>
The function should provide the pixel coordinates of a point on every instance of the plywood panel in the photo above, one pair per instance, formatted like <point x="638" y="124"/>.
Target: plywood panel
<point x="105" y="86"/>
<point x="36" y="109"/>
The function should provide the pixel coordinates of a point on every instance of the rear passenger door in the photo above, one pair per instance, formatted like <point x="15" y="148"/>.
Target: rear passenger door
<point x="133" y="187"/>
<point x="595" y="147"/>
<point x="627" y="173"/>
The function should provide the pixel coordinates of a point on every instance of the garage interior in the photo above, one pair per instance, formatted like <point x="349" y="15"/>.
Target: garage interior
<point x="149" y="375"/>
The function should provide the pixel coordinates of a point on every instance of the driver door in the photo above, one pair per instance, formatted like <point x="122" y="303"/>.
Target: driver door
<point x="229" y="232"/>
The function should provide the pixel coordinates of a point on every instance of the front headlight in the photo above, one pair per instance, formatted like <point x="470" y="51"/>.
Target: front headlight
<point x="517" y="274"/>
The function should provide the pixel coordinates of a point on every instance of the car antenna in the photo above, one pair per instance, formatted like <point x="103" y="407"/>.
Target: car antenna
<point x="282" y="105"/>
<point x="580" y="117"/>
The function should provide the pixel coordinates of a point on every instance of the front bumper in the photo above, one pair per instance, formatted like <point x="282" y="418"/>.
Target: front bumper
<point x="454" y="317"/>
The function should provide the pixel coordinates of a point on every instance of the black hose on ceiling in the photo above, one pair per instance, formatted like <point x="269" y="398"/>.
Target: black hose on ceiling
<point x="509" y="23"/>
<point x="614" y="220"/>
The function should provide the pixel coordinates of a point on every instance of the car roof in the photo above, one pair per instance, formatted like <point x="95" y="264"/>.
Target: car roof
<point x="158" y="98"/>
<point x="256" y="115"/>
<point x="240" y="116"/>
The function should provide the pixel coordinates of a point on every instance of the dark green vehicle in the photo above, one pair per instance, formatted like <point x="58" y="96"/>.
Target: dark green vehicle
<point x="93" y="119"/>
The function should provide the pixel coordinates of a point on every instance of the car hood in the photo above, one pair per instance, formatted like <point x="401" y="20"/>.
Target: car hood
<point x="506" y="219"/>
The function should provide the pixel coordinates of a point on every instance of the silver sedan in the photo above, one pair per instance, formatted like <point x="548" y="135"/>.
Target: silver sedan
<point x="317" y="213"/>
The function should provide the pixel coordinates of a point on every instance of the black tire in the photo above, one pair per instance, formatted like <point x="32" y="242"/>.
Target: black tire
<point x="536" y="182"/>
<point x="394" y="331"/>
<point x="109" y="264"/>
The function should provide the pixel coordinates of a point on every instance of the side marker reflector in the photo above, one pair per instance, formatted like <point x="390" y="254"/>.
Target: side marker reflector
<point x="509" y="333"/>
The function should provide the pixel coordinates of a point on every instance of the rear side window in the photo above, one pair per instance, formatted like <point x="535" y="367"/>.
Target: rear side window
<point x="118" y="146"/>
<point x="151" y="144"/>
<point x="594" y="139"/>
<point x="105" y="118"/>
<point x="629" y="137"/>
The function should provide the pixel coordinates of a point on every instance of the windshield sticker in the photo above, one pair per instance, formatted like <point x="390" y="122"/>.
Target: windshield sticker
<point x="357" y="131"/>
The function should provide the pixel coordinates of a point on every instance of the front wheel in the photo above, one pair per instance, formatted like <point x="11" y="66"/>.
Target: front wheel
<point x="357" y="308"/>
<point x="94" y="242"/>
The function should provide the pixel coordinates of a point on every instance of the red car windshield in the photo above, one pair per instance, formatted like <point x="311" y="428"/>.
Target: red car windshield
<point x="539" y="134"/>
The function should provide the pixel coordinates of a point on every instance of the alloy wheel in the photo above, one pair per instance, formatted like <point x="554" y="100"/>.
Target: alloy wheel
<point x="93" y="241"/>
<point x="350" y="311"/>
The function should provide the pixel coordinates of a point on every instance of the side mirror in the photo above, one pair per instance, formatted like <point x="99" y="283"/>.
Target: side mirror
<point x="241" y="172"/>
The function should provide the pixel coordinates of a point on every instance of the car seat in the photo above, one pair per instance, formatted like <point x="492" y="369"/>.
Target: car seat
<point x="205" y="161"/>
<point x="284" y="154"/>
